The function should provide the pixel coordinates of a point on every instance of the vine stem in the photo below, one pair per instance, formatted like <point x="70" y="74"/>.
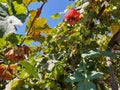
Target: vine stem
<point x="114" y="85"/>
<point x="31" y="25"/>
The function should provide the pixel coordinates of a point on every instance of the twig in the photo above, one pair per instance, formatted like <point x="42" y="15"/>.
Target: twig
<point x="31" y="25"/>
<point x="92" y="24"/>
<point x="114" y="85"/>
<point x="114" y="41"/>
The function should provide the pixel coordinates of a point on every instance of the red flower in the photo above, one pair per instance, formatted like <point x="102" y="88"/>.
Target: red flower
<point x="72" y="17"/>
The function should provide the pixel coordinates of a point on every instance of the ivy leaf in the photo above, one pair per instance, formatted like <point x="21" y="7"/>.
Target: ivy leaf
<point x="29" y="68"/>
<point x="19" y="8"/>
<point x="55" y="16"/>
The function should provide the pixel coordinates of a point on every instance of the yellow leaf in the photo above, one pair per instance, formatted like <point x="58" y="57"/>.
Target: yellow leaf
<point x="35" y="34"/>
<point x="32" y="15"/>
<point x="27" y="2"/>
<point x="46" y="29"/>
<point x="114" y="28"/>
<point x="39" y="22"/>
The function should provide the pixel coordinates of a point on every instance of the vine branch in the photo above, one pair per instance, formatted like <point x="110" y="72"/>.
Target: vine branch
<point x="31" y="25"/>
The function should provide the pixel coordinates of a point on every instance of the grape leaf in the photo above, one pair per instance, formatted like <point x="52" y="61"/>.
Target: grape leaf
<point x="55" y="16"/>
<point x="19" y="8"/>
<point x="18" y="1"/>
<point x="29" y="68"/>
<point x="39" y="22"/>
<point x="3" y="11"/>
<point x="4" y="1"/>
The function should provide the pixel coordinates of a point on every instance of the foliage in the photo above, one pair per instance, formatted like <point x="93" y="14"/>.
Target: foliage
<point x="70" y="56"/>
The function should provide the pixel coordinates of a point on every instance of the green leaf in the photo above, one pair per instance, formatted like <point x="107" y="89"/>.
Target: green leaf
<point x="3" y="11"/>
<point x="80" y="86"/>
<point x="22" y="17"/>
<point x="1" y="33"/>
<point x="94" y="75"/>
<point x="90" y="86"/>
<point x="86" y="86"/>
<point x="76" y="77"/>
<point x="19" y="8"/>
<point x="30" y="69"/>
<point x="40" y="39"/>
<point x="55" y="16"/>
<point x="108" y="53"/>
<point x="13" y="38"/>
<point x="28" y="41"/>
<point x="69" y="6"/>
<point x="72" y="79"/>
<point x="90" y="54"/>
<point x="17" y="85"/>
<point x="57" y="69"/>
<point x="45" y="29"/>
<point x="4" y="1"/>
<point x="23" y="74"/>
<point x="76" y="34"/>
<point x="2" y="41"/>
<point x="18" y="1"/>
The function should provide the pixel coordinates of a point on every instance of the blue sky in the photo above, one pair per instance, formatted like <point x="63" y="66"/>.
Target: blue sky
<point x="50" y="8"/>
